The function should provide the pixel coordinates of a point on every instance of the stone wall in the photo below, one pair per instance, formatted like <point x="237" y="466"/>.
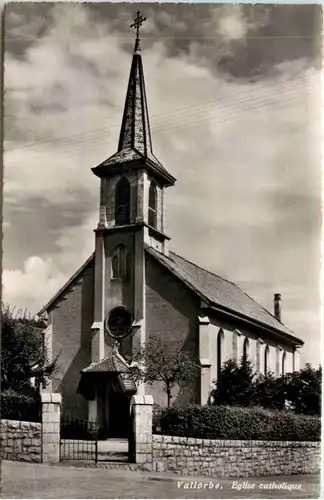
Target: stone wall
<point x="191" y="456"/>
<point x="21" y="440"/>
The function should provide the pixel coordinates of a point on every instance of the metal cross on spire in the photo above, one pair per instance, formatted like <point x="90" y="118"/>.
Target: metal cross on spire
<point x="138" y="21"/>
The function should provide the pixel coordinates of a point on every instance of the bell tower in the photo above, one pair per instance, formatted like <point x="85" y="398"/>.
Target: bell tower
<point x="131" y="216"/>
<point x="133" y="180"/>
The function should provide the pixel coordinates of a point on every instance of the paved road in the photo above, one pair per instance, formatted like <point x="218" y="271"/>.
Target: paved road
<point x="24" y="480"/>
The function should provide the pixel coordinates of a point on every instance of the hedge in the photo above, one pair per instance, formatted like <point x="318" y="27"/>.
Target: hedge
<point x="229" y="422"/>
<point x="16" y="406"/>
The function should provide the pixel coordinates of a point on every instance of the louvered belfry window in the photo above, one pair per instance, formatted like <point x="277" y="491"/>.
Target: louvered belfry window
<point x="152" y="215"/>
<point x="122" y="202"/>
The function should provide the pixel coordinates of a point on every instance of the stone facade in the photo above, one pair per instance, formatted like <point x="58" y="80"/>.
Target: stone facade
<point x="215" y="458"/>
<point x="21" y="440"/>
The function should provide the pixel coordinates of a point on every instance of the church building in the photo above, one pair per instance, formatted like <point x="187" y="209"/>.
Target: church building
<point x="134" y="287"/>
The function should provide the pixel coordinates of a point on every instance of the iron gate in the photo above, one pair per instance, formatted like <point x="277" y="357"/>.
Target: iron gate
<point x="79" y="439"/>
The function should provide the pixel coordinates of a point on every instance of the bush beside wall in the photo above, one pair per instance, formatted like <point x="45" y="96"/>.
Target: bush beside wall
<point x="21" y="441"/>
<point x="24" y="407"/>
<point x="234" y="423"/>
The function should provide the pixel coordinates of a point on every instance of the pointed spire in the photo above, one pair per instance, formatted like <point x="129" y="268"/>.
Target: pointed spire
<point x="135" y="141"/>
<point x="135" y="130"/>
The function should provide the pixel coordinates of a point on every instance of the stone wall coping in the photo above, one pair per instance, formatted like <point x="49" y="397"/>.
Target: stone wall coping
<point x="56" y="398"/>
<point x="232" y="443"/>
<point x="48" y="397"/>
<point x="78" y="442"/>
<point x="144" y="399"/>
<point x="205" y="363"/>
<point x="19" y="423"/>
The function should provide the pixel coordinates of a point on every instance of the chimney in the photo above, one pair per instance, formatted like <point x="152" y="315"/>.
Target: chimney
<point x="277" y="306"/>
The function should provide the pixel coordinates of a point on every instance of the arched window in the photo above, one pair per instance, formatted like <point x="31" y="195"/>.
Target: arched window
<point x="122" y="202"/>
<point x="220" y="344"/>
<point x="115" y="266"/>
<point x="234" y="343"/>
<point x="152" y="214"/>
<point x="120" y="263"/>
<point x="278" y="350"/>
<point x="266" y="359"/>
<point x="257" y="355"/>
<point x="283" y="364"/>
<point x="246" y="348"/>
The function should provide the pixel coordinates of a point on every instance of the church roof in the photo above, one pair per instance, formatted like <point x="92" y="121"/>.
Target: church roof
<point x="135" y="142"/>
<point x="220" y="292"/>
<point x="210" y="287"/>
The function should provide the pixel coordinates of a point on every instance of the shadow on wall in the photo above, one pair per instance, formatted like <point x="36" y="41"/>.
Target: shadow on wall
<point x="171" y="311"/>
<point x="72" y="402"/>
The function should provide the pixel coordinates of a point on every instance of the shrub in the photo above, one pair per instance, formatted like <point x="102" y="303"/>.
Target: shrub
<point x="304" y="390"/>
<point x="18" y="406"/>
<point x="235" y="384"/>
<point x="234" y="423"/>
<point x="239" y="385"/>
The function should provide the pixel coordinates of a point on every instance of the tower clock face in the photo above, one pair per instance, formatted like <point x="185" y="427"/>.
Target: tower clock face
<point x="118" y="322"/>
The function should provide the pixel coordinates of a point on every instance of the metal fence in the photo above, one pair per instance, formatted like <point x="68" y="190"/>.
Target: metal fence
<point x="156" y="420"/>
<point x="79" y="439"/>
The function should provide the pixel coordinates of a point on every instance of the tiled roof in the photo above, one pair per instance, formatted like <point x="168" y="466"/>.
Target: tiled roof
<point x="111" y="364"/>
<point x="211" y="287"/>
<point x="135" y="132"/>
<point x="219" y="291"/>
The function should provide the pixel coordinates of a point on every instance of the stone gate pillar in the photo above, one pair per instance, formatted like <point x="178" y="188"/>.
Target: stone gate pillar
<point x="140" y="445"/>
<point x="51" y="411"/>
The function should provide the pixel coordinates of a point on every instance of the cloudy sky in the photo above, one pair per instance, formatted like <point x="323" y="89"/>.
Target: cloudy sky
<point x="234" y="99"/>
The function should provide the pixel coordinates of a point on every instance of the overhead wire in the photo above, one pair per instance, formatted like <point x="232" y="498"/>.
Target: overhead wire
<point x="162" y="126"/>
<point x="157" y="124"/>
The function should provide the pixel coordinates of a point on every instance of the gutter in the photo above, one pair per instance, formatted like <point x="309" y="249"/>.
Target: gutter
<point x="278" y="333"/>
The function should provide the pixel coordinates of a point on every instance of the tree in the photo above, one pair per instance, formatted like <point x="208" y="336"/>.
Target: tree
<point x="239" y="385"/>
<point x="304" y="389"/>
<point x="23" y="354"/>
<point x="160" y="360"/>
<point x="235" y="385"/>
<point x="270" y="391"/>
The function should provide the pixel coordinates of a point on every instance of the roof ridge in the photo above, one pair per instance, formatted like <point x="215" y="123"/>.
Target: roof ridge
<point x="232" y="283"/>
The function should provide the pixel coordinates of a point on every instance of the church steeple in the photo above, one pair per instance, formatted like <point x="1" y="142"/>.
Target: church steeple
<point x="135" y="143"/>
<point x="135" y="130"/>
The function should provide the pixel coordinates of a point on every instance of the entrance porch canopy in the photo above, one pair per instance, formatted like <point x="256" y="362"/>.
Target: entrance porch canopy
<point x="113" y="366"/>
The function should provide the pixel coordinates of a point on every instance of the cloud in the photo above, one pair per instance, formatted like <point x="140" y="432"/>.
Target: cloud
<point x="233" y="24"/>
<point x="30" y="287"/>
